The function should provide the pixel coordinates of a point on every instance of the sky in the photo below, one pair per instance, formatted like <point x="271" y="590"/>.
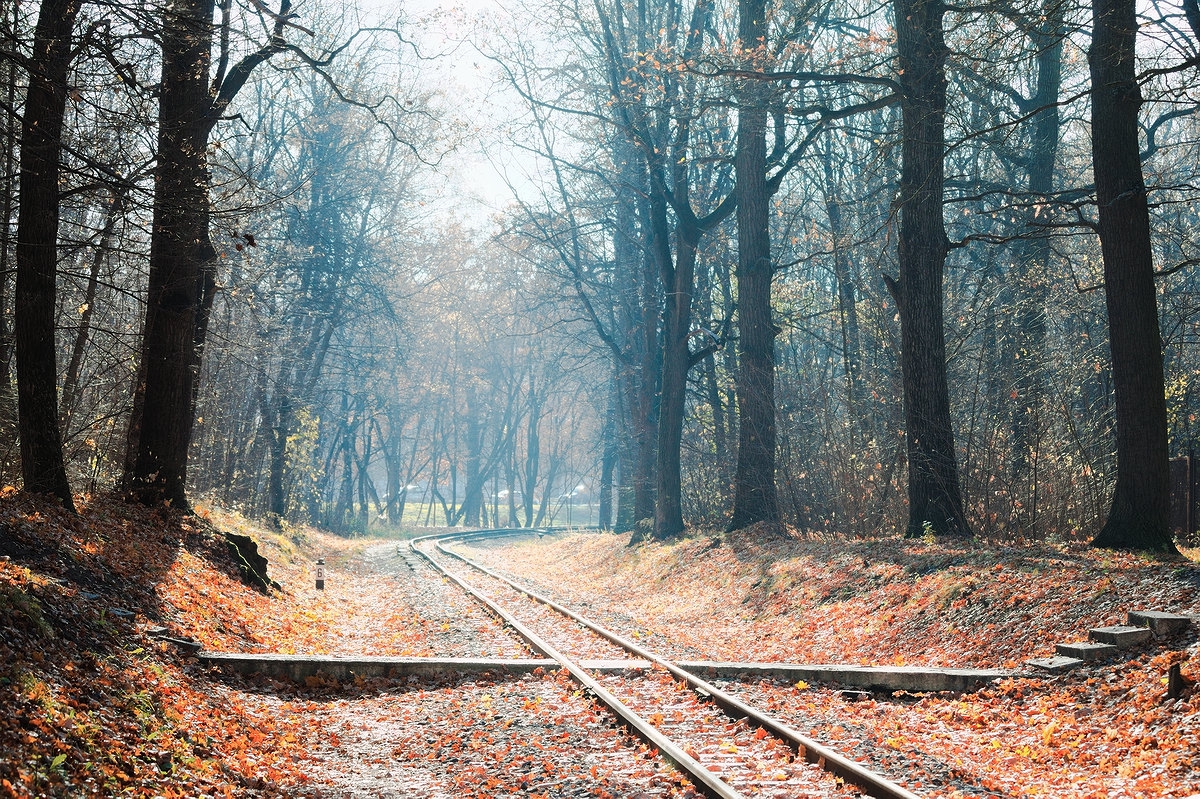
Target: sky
<point x="468" y="185"/>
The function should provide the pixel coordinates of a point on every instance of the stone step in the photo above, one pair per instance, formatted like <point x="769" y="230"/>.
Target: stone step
<point x="1160" y="623"/>
<point x="1120" y="636"/>
<point x="1055" y="665"/>
<point x="1086" y="650"/>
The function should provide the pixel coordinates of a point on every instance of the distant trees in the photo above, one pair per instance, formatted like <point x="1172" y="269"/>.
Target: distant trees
<point x="1013" y="216"/>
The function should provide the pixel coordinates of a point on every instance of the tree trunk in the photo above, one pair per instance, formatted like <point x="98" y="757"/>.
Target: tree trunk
<point x="755" y="498"/>
<point x="608" y="460"/>
<point x="1138" y="519"/>
<point x="182" y="273"/>
<point x="935" y="504"/>
<point x="277" y="421"/>
<point x="668" y="508"/>
<point x="472" y="502"/>
<point x="533" y="452"/>
<point x="645" y="377"/>
<point x="180" y="254"/>
<point x="42" y="465"/>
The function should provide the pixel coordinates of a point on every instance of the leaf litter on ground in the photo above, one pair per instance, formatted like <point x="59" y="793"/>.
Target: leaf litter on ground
<point x="99" y="707"/>
<point x="1100" y="731"/>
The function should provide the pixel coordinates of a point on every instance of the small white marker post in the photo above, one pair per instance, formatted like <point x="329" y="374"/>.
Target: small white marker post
<point x="320" y="574"/>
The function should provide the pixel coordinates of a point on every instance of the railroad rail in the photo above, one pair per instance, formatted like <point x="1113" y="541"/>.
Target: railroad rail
<point x="647" y="727"/>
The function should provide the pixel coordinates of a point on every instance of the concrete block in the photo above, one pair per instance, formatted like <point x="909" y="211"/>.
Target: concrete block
<point x="913" y="679"/>
<point x="1121" y="636"/>
<point x="1055" y="665"/>
<point x="1160" y="623"/>
<point x="190" y="647"/>
<point x="300" y="667"/>
<point x="1086" y="650"/>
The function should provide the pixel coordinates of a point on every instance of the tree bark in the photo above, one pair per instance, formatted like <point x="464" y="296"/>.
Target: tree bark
<point x="180" y="252"/>
<point x="8" y="401"/>
<point x="755" y="498"/>
<point x="42" y="465"/>
<point x="678" y="280"/>
<point x="1138" y="519"/>
<point x="935" y="503"/>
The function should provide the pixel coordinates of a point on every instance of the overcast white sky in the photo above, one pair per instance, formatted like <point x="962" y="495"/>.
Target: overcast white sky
<point x="469" y="187"/>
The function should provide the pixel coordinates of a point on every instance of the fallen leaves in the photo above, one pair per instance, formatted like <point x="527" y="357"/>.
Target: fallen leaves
<point x="95" y="707"/>
<point x="1107" y="731"/>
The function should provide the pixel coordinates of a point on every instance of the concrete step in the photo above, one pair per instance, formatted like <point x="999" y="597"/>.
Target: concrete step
<point x="1120" y="636"/>
<point x="915" y="679"/>
<point x="1086" y="650"/>
<point x="1160" y="623"/>
<point x="1055" y="665"/>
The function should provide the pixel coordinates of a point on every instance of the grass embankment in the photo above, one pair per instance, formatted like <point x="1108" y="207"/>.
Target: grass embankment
<point x="878" y="602"/>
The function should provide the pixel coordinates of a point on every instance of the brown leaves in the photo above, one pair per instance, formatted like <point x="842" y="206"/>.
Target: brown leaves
<point x="1105" y="731"/>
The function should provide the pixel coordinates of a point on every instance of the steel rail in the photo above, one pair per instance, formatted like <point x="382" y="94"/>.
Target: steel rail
<point x="705" y="780"/>
<point x="849" y="770"/>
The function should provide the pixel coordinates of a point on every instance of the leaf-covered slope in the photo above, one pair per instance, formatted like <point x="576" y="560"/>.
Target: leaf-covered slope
<point x="889" y="601"/>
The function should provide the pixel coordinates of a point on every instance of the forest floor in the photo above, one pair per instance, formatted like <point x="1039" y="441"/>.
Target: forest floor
<point x="97" y="705"/>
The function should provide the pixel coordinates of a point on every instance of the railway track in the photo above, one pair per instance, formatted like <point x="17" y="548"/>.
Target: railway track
<point x="725" y="747"/>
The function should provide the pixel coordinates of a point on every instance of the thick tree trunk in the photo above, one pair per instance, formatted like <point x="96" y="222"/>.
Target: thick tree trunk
<point x="1139" y="515"/>
<point x="755" y="498"/>
<point x="42" y="465"/>
<point x="935" y="503"/>
<point x="180" y="254"/>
